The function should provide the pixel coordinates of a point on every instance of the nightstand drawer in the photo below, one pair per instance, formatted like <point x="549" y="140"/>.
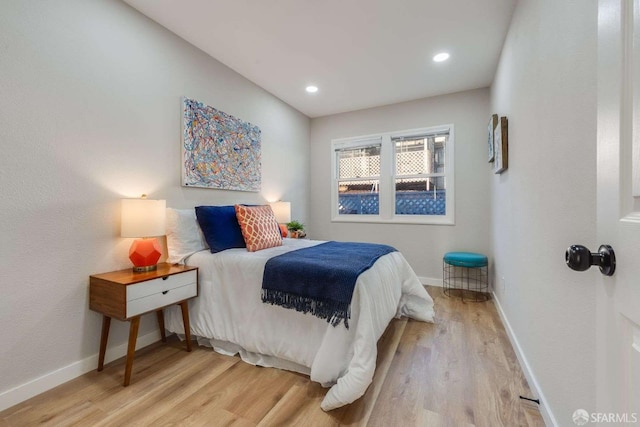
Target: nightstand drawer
<point x="161" y="284"/>
<point x="161" y="299"/>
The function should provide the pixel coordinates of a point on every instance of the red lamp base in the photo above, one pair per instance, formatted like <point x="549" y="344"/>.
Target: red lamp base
<point x="144" y="254"/>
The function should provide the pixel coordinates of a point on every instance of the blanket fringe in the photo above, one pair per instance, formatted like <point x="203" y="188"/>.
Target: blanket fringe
<point x="333" y="312"/>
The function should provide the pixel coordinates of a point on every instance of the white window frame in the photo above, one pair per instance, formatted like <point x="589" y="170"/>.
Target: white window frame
<point x="387" y="192"/>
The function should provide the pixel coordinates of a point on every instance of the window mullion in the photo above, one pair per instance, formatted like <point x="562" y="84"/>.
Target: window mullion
<point x="387" y="196"/>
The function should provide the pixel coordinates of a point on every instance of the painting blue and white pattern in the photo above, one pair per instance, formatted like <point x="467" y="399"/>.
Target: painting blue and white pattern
<point x="219" y="150"/>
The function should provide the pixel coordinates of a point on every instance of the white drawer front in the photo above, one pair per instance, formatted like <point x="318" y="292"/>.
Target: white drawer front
<point x="160" y="299"/>
<point x="150" y="287"/>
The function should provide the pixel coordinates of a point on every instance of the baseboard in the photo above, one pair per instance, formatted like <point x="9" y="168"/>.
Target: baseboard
<point x="545" y="411"/>
<point x="430" y="281"/>
<point x="53" y="379"/>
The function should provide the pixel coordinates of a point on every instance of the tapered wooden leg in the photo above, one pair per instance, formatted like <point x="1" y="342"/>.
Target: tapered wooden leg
<point x="106" y="323"/>
<point x="185" y="321"/>
<point x="133" y="336"/>
<point x="160" y="314"/>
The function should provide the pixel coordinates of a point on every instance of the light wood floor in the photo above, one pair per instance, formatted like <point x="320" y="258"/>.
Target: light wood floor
<point x="460" y="371"/>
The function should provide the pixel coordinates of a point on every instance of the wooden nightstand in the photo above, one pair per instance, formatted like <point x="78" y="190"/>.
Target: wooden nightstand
<point x="125" y="295"/>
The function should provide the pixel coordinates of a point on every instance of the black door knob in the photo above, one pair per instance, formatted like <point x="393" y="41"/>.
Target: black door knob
<point x="580" y="258"/>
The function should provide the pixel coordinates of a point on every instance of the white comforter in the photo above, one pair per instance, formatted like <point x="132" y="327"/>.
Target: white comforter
<point x="230" y="316"/>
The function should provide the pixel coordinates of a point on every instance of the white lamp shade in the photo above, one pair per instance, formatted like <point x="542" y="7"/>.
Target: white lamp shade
<point x="282" y="211"/>
<point x="143" y="218"/>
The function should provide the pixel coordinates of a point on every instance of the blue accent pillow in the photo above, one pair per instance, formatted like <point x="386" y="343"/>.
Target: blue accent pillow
<point x="220" y="227"/>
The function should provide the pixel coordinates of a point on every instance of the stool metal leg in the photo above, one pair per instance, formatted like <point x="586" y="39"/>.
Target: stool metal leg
<point x="475" y="284"/>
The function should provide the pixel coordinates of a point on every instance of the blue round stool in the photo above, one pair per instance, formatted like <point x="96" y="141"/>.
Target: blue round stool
<point x="468" y="273"/>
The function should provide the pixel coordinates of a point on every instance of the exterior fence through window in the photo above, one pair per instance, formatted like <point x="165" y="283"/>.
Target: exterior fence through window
<point x="407" y="203"/>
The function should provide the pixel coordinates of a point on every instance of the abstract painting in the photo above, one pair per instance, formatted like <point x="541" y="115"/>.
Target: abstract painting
<point x="218" y="150"/>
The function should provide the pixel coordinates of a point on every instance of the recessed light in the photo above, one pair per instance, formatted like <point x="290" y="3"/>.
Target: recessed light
<point x="312" y="89"/>
<point x="443" y="56"/>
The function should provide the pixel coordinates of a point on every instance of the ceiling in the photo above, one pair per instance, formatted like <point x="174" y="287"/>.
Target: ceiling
<point x="359" y="53"/>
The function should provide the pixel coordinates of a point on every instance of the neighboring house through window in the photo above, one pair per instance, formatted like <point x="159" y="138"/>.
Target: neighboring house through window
<point x="395" y="177"/>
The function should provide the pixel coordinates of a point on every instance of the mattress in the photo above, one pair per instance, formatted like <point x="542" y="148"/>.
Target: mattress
<point x="229" y="316"/>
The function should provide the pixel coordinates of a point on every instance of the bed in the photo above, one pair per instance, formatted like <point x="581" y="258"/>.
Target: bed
<point x="230" y="316"/>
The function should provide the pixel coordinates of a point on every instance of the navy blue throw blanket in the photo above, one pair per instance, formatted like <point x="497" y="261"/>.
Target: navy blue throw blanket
<point x="319" y="279"/>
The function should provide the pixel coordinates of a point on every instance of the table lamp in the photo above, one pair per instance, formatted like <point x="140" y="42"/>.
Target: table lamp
<point x="144" y="219"/>
<point x="282" y="212"/>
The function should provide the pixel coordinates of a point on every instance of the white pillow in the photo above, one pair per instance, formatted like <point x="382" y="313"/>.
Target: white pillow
<point x="184" y="237"/>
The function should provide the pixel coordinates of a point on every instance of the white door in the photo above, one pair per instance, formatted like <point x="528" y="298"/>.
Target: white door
<point x="618" y="223"/>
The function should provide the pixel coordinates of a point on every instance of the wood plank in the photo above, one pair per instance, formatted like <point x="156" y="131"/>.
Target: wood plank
<point x="460" y="371"/>
<point x="54" y="405"/>
<point x="150" y="407"/>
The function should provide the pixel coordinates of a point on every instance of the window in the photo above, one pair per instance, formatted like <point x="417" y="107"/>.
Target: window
<point x="404" y="177"/>
<point x="359" y="179"/>
<point x="420" y="175"/>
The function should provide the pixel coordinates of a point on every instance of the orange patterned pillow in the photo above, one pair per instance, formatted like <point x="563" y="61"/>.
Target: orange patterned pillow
<point x="259" y="227"/>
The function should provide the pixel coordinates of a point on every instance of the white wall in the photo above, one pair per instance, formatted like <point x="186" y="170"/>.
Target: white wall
<point x="422" y="245"/>
<point x="90" y="113"/>
<point x="546" y="86"/>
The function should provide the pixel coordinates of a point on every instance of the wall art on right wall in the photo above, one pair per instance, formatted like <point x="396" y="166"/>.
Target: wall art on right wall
<point x="493" y="121"/>
<point x="501" y="146"/>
